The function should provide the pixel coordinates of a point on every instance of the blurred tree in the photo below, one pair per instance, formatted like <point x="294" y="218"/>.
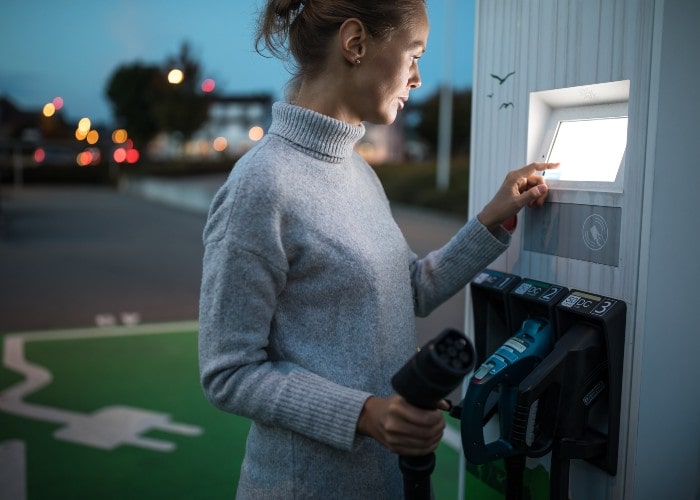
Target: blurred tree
<point x="180" y="107"/>
<point x="132" y="90"/>
<point x="428" y="120"/>
<point x="145" y="103"/>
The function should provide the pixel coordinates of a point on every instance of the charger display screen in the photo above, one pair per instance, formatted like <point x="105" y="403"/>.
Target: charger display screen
<point x="588" y="149"/>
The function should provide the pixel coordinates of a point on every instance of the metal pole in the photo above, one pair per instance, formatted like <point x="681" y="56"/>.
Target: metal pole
<point x="445" y="119"/>
<point x="18" y="166"/>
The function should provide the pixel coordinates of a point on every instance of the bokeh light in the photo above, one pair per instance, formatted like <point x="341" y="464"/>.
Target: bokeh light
<point x="84" y="159"/>
<point x="57" y="103"/>
<point x="84" y="125"/>
<point x="93" y="136"/>
<point x="80" y="134"/>
<point x="126" y="153"/>
<point x="39" y="155"/>
<point x="90" y="156"/>
<point x="220" y="144"/>
<point x="201" y="148"/>
<point x="119" y="136"/>
<point x="119" y="155"/>
<point x="175" y="76"/>
<point x="208" y="85"/>
<point x="256" y="133"/>
<point x="49" y="109"/>
<point x="96" y="155"/>
<point x="132" y="155"/>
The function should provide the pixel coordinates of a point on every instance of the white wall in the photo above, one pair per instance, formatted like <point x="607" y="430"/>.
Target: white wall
<point x="667" y="462"/>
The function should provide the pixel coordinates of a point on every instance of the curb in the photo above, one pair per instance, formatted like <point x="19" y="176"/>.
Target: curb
<point x="193" y="193"/>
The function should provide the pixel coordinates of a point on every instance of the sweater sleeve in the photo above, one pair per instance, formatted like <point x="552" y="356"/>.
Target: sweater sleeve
<point x="244" y="272"/>
<point x="443" y="272"/>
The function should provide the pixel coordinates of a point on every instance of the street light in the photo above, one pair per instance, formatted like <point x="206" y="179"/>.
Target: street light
<point x="175" y="76"/>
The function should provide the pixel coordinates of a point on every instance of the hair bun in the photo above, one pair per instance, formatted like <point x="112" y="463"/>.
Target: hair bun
<point x="288" y="8"/>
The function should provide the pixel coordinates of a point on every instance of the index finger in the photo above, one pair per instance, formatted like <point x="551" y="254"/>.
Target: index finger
<point x="530" y="169"/>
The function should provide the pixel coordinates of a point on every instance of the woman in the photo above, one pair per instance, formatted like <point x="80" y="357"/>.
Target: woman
<point x="309" y="290"/>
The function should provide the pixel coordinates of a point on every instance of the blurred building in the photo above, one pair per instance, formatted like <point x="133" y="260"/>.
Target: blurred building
<point x="22" y="132"/>
<point x="16" y="123"/>
<point x="234" y="125"/>
<point x="382" y="143"/>
<point x="391" y="143"/>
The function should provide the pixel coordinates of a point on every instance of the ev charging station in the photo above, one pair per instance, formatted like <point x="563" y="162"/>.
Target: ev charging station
<point x="586" y="330"/>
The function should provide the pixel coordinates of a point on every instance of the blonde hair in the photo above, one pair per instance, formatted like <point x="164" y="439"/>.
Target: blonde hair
<point x="299" y="31"/>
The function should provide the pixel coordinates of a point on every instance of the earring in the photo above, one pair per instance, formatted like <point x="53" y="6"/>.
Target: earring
<point x="357" y="61"/>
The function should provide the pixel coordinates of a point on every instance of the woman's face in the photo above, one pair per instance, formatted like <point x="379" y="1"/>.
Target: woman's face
<point x="389" y="72"/>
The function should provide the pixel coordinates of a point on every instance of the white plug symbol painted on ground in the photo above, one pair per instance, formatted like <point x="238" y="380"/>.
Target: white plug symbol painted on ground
<point x="114" y="426"/>
<point x="107" y="428"/>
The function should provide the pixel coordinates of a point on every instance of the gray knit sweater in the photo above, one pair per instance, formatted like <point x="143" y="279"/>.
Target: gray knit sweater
<point x="308" y="303"/>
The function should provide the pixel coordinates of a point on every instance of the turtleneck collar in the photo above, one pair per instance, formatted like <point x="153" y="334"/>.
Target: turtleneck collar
<point x="315" y="134"/>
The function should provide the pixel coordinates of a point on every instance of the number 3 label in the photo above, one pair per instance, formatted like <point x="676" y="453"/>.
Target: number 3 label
<point x="603" y="307"/>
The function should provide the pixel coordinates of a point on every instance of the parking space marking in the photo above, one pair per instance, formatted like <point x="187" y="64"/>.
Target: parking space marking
<point x="106" y="428"/>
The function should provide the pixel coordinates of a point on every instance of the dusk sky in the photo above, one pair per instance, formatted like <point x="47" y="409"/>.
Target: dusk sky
<point x="70" y="48"/>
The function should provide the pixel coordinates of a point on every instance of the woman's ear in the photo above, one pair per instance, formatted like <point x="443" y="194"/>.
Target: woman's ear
<point x="353" y="40"/>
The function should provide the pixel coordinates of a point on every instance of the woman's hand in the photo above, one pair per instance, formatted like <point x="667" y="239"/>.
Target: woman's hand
<point x="524" y="186"/>
<point x="401" y="427"/>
